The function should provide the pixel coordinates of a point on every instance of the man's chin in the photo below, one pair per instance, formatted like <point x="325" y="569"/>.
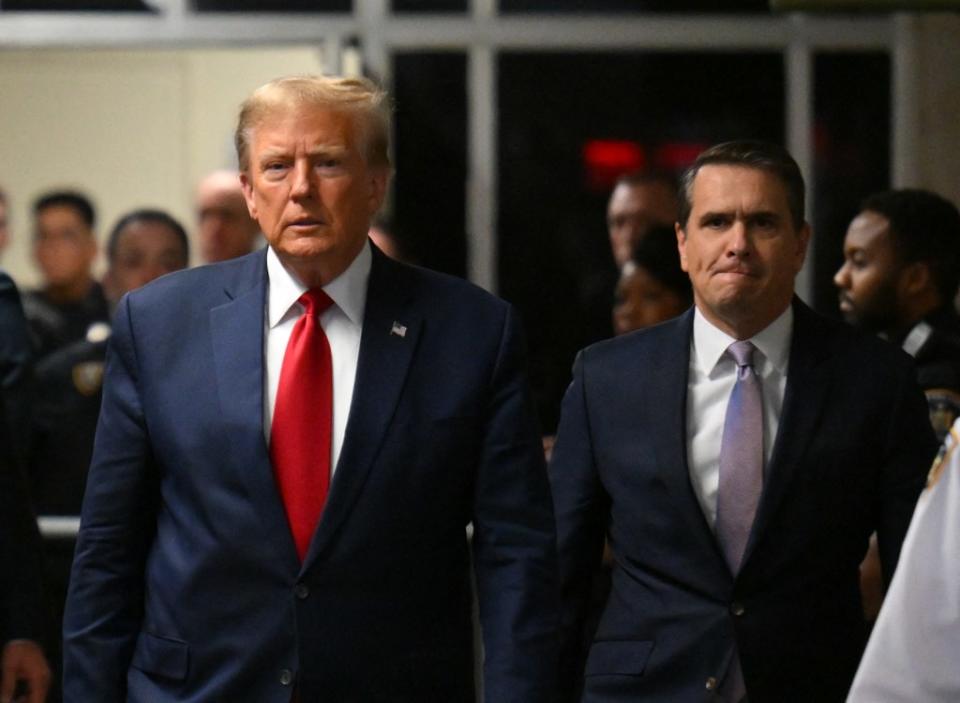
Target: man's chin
<point x="850" y="317"/>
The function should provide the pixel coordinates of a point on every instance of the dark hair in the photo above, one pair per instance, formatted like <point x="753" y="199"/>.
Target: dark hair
<point x="656" y="253"/>
<point x="765" y="156"/>
<point x="650" y="177"/>
<point x="925" y="227"/>
<point x="67" y="198"/>
<point x="147" y="215"/>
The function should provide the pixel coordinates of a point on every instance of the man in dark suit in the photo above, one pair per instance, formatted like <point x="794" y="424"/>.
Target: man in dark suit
<point x="211" y="563"/>
<point x="22" y="662"/>
<point x="737" y="459"/>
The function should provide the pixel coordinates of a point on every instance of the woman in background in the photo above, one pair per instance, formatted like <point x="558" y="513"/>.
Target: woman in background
<point x="652" y="286"/>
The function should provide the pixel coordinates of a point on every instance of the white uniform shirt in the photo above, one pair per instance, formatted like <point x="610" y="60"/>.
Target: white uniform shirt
<point x="914" y="652"/>
<point x="342" y="322"/>
<point x="712" y="376"/>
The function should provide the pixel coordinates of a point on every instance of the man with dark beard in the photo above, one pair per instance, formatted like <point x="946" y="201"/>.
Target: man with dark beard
<point x="899" y="278"/>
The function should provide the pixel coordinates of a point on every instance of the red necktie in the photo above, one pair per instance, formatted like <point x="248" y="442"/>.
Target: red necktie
<point x="303" y="420"/>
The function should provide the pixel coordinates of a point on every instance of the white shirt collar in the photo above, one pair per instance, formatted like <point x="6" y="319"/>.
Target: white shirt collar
<point x="348" y="290"/>
<point x="773" y="342"/>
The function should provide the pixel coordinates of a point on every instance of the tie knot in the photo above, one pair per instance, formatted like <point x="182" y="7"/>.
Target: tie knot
<point x="315" y="301"/>
<point x="742" y="352"/>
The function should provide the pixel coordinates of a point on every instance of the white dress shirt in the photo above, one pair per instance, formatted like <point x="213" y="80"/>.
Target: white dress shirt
<point x="342" y="322"/>
<point x="912" y="653"/>
<point x="712" y="377"/>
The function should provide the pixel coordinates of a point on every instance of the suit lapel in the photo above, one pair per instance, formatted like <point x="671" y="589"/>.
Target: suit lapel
<point x="391" y="331"/>
<point x="237" y="336"/>
<point x="669" y="414"/>
<point x="808" y="382"/>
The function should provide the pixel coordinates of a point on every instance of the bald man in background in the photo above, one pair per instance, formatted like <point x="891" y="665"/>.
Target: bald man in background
<point x="224" y="227"/>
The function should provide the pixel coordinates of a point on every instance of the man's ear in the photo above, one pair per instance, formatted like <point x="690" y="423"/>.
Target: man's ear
<point x="803" y="236"/>
<point x="681" y="246"/>
<point x="916" y="277"/>
<point x="109" y="283"/>
<point x="379" y="180"/>
<point x="247" y="186"/>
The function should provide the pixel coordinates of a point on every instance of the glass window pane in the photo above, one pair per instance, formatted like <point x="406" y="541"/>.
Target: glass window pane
<point x="851" y="154"/>
<point x="569" y="125"/>
<point x="637" y="6"/>
<point x="273" y="5"/>
<point x="430" y="150"/>
<point x="429" y="5"/>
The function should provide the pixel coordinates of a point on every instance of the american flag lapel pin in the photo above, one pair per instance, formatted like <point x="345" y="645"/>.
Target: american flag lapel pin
<point x="398" y="329"/>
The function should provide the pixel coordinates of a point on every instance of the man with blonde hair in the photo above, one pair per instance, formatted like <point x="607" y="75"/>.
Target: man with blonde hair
<point x="290" y="449"/>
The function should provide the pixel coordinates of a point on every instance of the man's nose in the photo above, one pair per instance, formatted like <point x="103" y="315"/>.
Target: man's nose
<point x="842" y="277"/>
<point x="738" y="240"/>
<point x="302" y="180"/>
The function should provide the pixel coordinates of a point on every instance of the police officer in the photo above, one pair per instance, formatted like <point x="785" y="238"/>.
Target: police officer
<point x="899" y="278"/>
<point x="912" y="653"/>
<point x="71" y="305"/>
<point x="23" y="666"/>
<point x="142" y="246"/>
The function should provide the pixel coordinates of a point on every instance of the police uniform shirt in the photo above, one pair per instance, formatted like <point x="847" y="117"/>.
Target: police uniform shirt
<point x="934" y="343"/>
<point x="912" y="653"/>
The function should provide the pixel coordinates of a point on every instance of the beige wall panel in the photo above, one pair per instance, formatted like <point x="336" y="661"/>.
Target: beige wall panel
<point x="108" y="123"/>
<point x="130" y="128"/>
<point x="938" y="75"/>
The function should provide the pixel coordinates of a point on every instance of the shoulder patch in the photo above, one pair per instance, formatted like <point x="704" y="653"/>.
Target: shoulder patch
<point x="88" y="377"/>
<point x="944" y="406"/>
<point x="943" y="456"/>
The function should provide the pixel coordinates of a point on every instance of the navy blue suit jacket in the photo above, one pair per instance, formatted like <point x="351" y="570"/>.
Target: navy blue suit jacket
<point x="850" y="457"/>
<point x="186" y="584"/>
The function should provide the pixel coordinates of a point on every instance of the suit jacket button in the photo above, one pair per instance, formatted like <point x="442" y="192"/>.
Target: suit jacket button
<point x="737" y="609"/>
<point x="286" y="677"/>
<point x="712" y="683"/>
<point x="302" y="591"/>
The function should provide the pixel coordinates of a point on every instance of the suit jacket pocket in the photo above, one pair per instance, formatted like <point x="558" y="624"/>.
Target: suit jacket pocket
<point x="618" y="658"/>
<point x="161" y="656"/>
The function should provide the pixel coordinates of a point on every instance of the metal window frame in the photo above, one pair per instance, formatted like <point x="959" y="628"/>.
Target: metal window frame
<point x="482" y="33"/>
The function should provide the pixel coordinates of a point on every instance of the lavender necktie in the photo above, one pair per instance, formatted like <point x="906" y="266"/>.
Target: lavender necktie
<point x="741" y="479"/>
<point x="741" y="458"/>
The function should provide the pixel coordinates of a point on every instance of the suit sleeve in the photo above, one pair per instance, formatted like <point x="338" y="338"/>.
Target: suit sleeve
<point x="910" y="447"/>
<point x="581" y="506"/>
<point x="105" y="599"/>
<point x="514" y="543"/>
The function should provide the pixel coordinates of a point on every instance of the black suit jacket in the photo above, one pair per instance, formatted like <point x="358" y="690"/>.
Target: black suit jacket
<point x="852" y="450"/>
<point x="187" y="586"/>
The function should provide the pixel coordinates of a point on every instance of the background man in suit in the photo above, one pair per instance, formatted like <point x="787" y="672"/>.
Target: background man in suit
<point x="21" y="600"/>
<point x="639" y="202"/>
<point x="737" y="492"/>
<point x="225" y="229"/>
<point x="211" y="565"/>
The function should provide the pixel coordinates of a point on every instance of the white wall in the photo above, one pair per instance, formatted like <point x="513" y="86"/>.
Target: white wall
<point x="130" y="128"/>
